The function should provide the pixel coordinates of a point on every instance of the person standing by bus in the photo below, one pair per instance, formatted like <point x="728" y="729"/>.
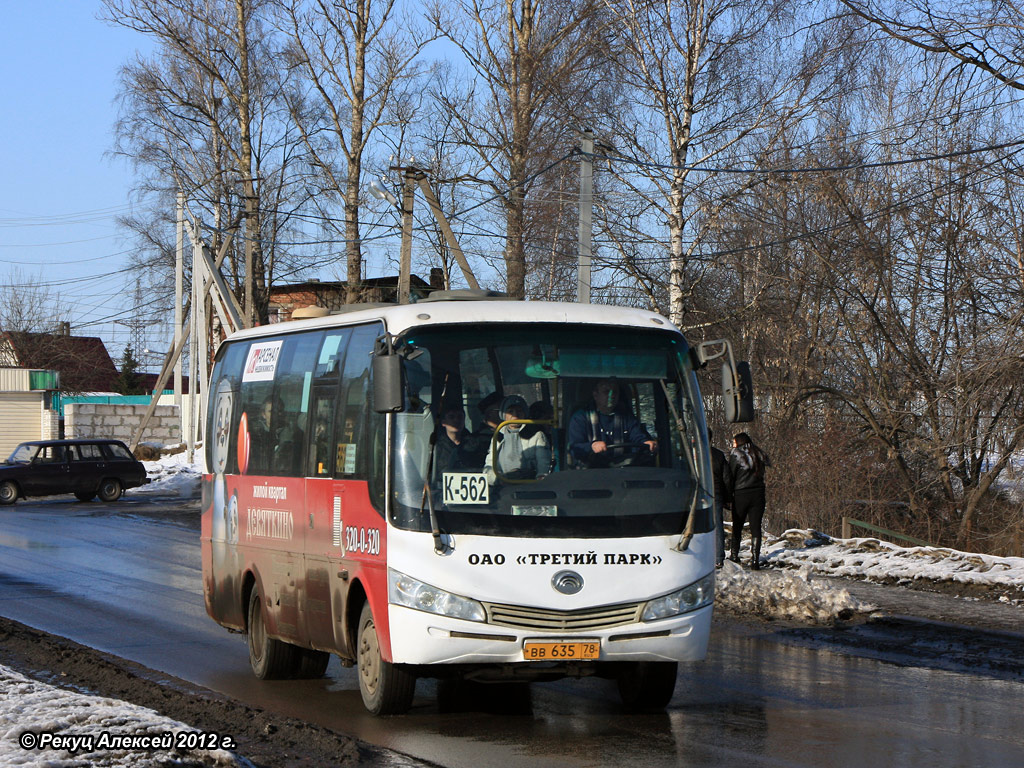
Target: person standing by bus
<point x="722" y="500"/>
<point x="744" y="482"/>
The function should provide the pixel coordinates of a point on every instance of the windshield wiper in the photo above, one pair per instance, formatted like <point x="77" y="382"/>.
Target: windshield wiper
<point x="684" y="539"/>
<point x="440" y="547"/>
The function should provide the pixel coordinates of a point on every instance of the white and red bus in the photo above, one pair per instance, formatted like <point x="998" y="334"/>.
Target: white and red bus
<point x="336" y="520"/>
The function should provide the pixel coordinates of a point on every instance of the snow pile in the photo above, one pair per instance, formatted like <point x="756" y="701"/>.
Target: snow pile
<point x="30" y="710"/>
<point x="874" y="560"/>
<point x="172" y="475"/>
<point x="784" y="595"/>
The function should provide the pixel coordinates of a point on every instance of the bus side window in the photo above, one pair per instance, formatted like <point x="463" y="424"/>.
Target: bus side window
<point x="352" y="441"/>
<point x="326" y="383"/>
<point x="290" y="414"/>
<point x="222" y="444"/>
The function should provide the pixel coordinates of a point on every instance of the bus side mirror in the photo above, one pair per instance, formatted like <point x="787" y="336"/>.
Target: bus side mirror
<point x="738" y="392"/>
<point x="387" y="384"/>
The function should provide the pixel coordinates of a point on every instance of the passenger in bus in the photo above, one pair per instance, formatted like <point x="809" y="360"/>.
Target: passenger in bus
<point x="450" y="442"/>
<point x="261" y="440"/>
<point x="478" y="444"/>
<point x="519" y="457"/>
<point x="603" y="423"/>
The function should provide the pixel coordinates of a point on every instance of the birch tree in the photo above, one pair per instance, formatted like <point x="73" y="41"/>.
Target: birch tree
<point x="533" y="66"/>
<point x="354" y="62"/>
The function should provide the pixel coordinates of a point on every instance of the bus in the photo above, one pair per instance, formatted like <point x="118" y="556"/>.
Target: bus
<point x="365" y="496"/>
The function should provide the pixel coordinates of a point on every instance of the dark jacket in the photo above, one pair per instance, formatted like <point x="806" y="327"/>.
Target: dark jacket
<point x="718" y="471"/>
<point x="475" y="447"/>
<point x="745" y="469"/>
<point x="449" y="457"/>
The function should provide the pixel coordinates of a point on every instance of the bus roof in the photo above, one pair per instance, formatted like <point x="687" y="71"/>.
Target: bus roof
<point x="400" y="317"/>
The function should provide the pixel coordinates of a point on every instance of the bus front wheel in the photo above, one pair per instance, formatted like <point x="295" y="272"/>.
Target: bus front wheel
<point x="646" y="686"/>
<point x="270" y="659"/>
<point x="386" y="689"/>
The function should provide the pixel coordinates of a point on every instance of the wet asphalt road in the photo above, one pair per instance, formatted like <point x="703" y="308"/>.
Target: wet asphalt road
<point x="125" y="579"/>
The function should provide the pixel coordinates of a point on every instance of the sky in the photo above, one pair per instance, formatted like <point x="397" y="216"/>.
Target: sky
<point x="62" y="192"/>
<point x="63" y="189"/>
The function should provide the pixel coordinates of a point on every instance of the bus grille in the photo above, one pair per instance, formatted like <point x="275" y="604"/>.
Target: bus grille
<point x="545" y="620"/>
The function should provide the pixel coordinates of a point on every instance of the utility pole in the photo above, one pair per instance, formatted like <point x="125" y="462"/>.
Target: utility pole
<point x="446" y="229"/>
<point x="405" y="263"/>
<point x="412" y="176"/>
<point x="586" y="216"/>
<point x="179" y="286"/>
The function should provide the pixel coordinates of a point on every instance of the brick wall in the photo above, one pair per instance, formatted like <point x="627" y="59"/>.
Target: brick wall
<point x="121" y="421"/>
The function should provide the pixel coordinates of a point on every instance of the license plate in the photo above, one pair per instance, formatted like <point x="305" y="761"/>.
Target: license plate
<point x="465" y="488"/>
<point x="585" y="650"/>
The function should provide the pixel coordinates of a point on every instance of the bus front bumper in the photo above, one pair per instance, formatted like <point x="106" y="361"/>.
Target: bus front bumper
<point x="425" y="638"/>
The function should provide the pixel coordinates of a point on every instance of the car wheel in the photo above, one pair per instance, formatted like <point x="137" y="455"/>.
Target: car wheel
<point x="110" y="489"/>
<point x="387" y="689"/>
<point x="270" y="659"/>
<point x="8" y="492"/>
<point x="85" y="495"/>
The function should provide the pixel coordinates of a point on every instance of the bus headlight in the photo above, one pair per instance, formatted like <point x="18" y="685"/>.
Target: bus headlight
<point x="412" y="593"/>
<point x="689" y="598"/>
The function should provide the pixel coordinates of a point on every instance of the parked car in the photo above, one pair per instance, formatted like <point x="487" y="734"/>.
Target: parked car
<point x="86" y="468"/>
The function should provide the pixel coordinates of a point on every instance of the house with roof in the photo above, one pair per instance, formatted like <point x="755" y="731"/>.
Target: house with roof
<point x="83" y="362"/>
<point x="284" y="299"/>
<point x="35" y="368"/>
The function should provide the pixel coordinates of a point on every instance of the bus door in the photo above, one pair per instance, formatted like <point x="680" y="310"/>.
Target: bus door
<point x="323" y="551"/>
<point x="346" y="532"/>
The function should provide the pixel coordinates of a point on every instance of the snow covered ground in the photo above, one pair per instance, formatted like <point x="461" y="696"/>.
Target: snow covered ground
<point x="173" y="474"/>
<point x="789" y="589"/>
<point x="44" y="725"/>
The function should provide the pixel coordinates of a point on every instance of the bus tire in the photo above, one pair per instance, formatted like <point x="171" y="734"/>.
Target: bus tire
<point x="110" y="489"/>
<point x="646" y="686"/>
<point x="386" y="688"/>
<point x="8" y="492"/>
<point x="270" y="659"/>
<point x="311" y="665"/>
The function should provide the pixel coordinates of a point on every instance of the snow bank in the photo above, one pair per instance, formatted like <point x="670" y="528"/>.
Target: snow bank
<point x="784" y="595"/>
<point x="29" y="709"/>
<point x="875" y="560"/>
<point x="173" y="474"/>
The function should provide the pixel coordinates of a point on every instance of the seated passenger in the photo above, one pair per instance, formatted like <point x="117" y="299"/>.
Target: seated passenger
<point x="478" y="444"/>
<point x="519" y="457"/>
<point x="604" y="423"/>
<point x="450" y="442"/>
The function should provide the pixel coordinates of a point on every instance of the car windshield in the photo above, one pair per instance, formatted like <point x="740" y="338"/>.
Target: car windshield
<point x="549" y="430"/>
<point x="23" y="454"/>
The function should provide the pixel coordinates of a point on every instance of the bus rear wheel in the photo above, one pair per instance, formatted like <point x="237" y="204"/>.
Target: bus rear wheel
<point x="646" y="686"/>
<point x="270" y="659"/>
<point x="311" y="665"/>
<point x="387" y="689"/>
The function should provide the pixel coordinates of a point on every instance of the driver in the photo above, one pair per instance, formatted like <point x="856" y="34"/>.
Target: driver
<point x="602" y="424"/>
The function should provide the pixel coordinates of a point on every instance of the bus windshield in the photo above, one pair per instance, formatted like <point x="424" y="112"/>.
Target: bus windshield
<point x="549" y="430"/>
